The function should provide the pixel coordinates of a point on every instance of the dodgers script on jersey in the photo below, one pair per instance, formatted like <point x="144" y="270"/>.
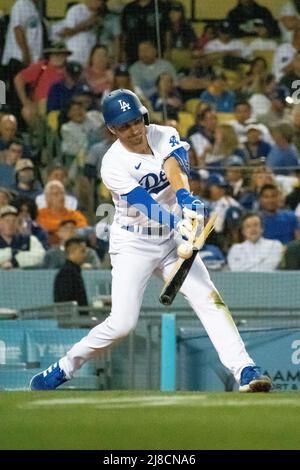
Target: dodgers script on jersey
<point x="122" y="171"/>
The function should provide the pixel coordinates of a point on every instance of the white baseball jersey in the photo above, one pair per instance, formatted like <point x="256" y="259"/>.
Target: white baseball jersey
<point x="122" y="171"/>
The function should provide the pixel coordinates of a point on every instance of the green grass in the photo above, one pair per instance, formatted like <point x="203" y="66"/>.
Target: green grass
<point x="149" y="420"/>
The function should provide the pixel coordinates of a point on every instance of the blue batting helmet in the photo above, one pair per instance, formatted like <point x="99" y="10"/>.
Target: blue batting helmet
<point x="122" y="106"/>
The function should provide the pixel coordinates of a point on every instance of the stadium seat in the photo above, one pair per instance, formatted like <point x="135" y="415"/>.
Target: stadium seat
<point x="52" y="120"/>
<point x="191" y="105"/>
<point x="223" y="118"/>
<point x="185" y="121"/>
<point x="180" y="58"/>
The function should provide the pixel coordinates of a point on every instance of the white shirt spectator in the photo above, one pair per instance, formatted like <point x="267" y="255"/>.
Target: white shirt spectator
<point x="25" y="258"/>
<point x="241" y="130"/>
<point x="263" y="255"/>
<point x="24" y="14"/>
<point x="234" y="45"/>
<point x="283" y="56"/>
<point x="199" y="143"/>
<point x="70" y="202"/>
<point x="220" y="208"/>
<point x="81" y="43"/>
<point x="260" y="104"/>
<point x="260" y="44"/>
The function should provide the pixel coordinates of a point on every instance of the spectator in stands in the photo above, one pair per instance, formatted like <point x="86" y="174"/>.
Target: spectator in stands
<point x="225" y="146"/>
<point x="5" y="197"/>
<point x="95" y="155"/>
<point x="288" y="20"/>
<point x="180" y="34"/>
<point x="12" y="155"/>
<point x="88" y="23"/>
<point x="291" y="258"/>
<point x="283" y="157"/>
<point x="255" y="253"/>
<point x="122" y="78"/>
<point x="242" y="119"/>
<point x="202" y="135"/>
<point x="242" y="16"/>
<point x="26" y="181"/>
<point x="138" y="24"/>
<point x="284" y="56"/>
<point x="24" y="39"/>
<point x="219" y="200"/>
<point x="231" y="232"/>
<point x="61" y="92"/>
<point x="8" y="132"/>
<point x="167" y="96"/>
<point x="68" y="283"/>
<point x="260" y="176"/>
<point x="295" y="121"/>
<point x="255" y="147"/>
<point x="279" y="224"/>
<point x="193" y="80"/>
<point x="260" y="99"/>
<point x="27" y="210"/>
<point x="39" y="77"/>
<point x="218" y="96"/>
<point x="16" y="249"/>
<point x="98" y="73"/>
<point x="278" y="111"/>
<point x="235" y="175"/>
<point x="56" y="257"/>
<point x="55" y="212"/>
<point x="59" y="173"/>
<point x="288" y="79"/>
<point x="145" y="72"/>
<point x="262" y="42"/>
<point x="225" y="50"/>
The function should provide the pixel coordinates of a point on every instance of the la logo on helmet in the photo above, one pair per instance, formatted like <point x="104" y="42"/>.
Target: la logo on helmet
<point x="124" y="105"/>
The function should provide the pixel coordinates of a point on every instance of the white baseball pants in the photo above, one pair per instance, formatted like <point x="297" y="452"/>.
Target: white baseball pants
<point x="134" y="259"/>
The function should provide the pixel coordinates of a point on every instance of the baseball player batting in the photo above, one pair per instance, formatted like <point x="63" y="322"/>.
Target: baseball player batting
<point x="146" y="171"/>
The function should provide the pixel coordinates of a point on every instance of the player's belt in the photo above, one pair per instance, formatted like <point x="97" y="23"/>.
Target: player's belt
<point x="151" y="231"/>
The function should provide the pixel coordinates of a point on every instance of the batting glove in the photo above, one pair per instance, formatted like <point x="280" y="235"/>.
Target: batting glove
<point x="184" y="227"/>
<point x="192" y="205"/>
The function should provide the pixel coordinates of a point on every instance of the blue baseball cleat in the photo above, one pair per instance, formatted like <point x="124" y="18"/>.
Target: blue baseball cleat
<point x="252" y="380"/>
<point x="49" y="379"/>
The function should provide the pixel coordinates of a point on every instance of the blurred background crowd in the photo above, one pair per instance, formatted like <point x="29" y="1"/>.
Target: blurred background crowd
<point x="230" y="86"/>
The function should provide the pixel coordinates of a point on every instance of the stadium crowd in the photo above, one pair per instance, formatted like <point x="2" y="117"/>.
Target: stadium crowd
<point x="231" y="90"/>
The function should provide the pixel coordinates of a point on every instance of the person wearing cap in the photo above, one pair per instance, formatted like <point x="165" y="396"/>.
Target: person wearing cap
<point x="61" y="92"/>
<point x="38" y="78"/>
<point x="219" y="200"/>
<point x="255" y="253"/>
<point x="235" y="175"/>
<point x="17" y="250"/>
<point x="26" y="183"/>
<point x="242" y="16"/>
<point x="254" y="146"/>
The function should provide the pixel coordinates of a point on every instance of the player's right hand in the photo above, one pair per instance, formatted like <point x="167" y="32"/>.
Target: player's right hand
<point x="184" y="228"/>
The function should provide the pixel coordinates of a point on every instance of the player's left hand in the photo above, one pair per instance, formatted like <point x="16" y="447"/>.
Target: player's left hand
<point x="192" y="205"/>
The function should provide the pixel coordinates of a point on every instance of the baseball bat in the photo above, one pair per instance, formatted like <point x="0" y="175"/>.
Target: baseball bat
<point x="183" y="266"/>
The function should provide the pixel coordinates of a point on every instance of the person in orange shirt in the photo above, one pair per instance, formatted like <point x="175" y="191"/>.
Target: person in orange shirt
<point x="55" y="211"/>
